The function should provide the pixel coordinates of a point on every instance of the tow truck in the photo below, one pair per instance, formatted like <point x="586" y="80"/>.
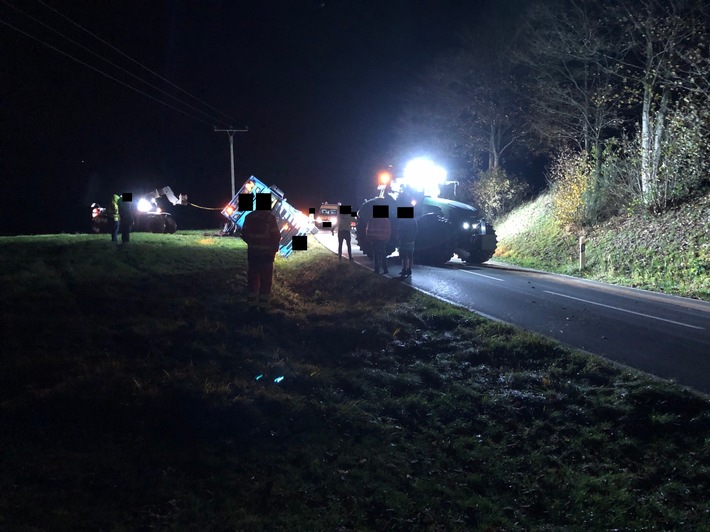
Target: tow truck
<point x="291" y="221"/>
<point x="147" y="216"/>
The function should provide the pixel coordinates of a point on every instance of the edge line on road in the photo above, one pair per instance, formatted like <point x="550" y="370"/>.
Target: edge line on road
<point x="626" y="310"/>
<point x="483" y="275"/>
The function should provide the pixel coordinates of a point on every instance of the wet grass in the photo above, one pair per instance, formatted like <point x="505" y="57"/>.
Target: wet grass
<point x="137" y="393"/>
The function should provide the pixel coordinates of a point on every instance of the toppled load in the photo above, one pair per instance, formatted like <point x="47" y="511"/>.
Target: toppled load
<point x="291" y="221"/>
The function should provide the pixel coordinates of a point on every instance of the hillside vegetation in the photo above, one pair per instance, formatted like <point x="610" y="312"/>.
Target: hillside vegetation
<point x="137" y="393"/>
<point x="668" y="252"/>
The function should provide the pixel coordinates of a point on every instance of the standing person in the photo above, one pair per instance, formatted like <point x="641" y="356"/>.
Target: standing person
<point x="125" y="216"/>
<point x="343" y="222"/>
<point x="261" y="233"/>
<point x="379" y="231"/>
<point x="114" y="209"/>
<point x="406" y="235"/>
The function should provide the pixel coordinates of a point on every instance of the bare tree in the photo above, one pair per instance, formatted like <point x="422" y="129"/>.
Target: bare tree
<point x="466" y="107"/>
<point x="569" y="82"/>
<point x="662" y="64"/>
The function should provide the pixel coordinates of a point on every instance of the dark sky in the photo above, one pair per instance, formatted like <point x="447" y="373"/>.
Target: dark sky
<point x="319" y="83"/>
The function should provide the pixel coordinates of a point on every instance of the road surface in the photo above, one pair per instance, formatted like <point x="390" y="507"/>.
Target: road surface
<point x="664" y="335"/>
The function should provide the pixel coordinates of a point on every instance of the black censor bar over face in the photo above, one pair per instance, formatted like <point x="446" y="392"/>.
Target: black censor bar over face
<point x="405" y="212"/>
<point x="299" y="243"/>
<point x="263" y="202"/>
<point x="380" y="211"/>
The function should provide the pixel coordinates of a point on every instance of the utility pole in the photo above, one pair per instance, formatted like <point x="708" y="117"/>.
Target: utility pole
<point x="231" y="131"/>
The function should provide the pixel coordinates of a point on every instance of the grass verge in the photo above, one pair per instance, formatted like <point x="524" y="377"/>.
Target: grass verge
<point x="667" y="253"/>
<point x="137" y="393"/>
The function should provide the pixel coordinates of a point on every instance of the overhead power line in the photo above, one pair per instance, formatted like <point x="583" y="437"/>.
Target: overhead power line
<point x="209" y="116"/>
<point x="101" y="72"/>
<point x="135" y="61"/>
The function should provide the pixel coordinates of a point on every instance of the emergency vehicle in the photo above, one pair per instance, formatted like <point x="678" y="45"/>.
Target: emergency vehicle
<point x="327" y="212"/>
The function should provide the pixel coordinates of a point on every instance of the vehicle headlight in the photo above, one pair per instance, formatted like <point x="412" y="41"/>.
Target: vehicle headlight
<point x="144" y="205"/>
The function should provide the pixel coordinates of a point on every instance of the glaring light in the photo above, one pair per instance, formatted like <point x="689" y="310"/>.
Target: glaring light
<point x="144" y="205"/>
<point x="249" y="186"/>
<point x="466" y="225"/>
<point x="423" y="175"/>
<point x="229" y="209"/>
<point x="385" y="178"/>
<point x="414" y="202"/>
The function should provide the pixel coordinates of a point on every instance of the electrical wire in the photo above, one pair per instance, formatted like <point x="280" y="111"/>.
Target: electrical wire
<point x="212" y="117"/>
<point x="101" y="72"/>
<point x="136" y="62"/>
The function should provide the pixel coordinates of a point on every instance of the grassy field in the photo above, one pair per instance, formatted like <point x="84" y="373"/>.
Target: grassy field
<point x="136" y="393"/>
<point x="665" y="253"/>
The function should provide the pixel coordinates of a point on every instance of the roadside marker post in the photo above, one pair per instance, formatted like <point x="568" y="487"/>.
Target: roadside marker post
<point x="582" y="253"/>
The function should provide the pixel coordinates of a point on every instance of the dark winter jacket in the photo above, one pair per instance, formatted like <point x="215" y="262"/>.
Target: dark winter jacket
<point x="406" y="230"/>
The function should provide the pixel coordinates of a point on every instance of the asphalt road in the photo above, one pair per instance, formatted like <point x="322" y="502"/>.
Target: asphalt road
<point x="664" y="335"/>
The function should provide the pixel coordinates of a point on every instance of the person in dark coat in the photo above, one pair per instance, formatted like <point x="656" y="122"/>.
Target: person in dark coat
<point x="125" y="217"/>
<point x="406" y="235"/>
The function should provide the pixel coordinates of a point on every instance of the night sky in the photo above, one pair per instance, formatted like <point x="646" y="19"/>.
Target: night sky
<point x="319" y="83"/>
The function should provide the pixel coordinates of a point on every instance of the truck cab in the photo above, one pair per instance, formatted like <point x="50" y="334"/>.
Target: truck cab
<point x="327" y="212"/>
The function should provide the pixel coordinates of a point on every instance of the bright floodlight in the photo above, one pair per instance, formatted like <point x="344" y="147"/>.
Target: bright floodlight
<point x="144" y="205"/>
<point x="423" y="175"/>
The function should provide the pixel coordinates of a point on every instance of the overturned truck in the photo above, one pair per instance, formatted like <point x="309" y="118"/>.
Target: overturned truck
<point x="291" y="221"/>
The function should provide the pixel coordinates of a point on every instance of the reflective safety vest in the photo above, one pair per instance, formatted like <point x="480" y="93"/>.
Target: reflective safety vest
<point x="261" y="233"/>
<point x="114" y="206"/>
<point x="379" y="229"/>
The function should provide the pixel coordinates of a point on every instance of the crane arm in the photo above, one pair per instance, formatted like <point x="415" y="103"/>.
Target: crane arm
<point x="168" y="193"/>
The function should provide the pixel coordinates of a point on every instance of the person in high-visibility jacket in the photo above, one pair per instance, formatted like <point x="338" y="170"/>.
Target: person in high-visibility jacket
<point x="261" y="233"/>
<point x="114" y="208"/>
<point x="379" y="231"/>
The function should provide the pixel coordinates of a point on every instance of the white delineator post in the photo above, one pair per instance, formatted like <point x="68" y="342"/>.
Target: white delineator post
<point x="582" y="253"/>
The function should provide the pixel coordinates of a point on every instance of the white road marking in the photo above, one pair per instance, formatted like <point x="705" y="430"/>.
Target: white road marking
<point x="626" y="310"/>
<point x="482" y="275"/>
